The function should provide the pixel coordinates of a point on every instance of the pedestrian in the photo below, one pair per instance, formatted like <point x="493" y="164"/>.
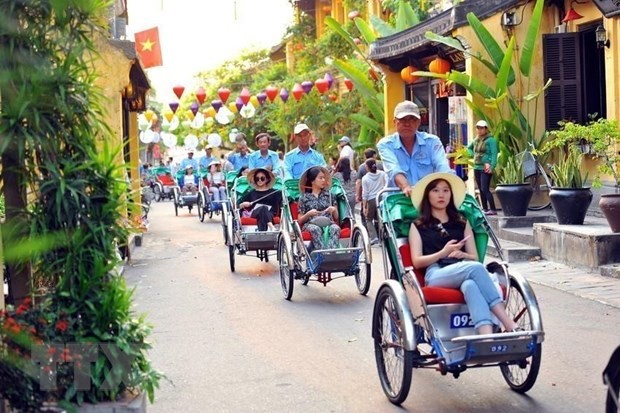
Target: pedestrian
<point x="303" y="156"/>
<point x="409" y="154"/>
<point x="441" y="241"/>
<point x="372" y="182"/>
<point x="346" y="151"/>
<point x="484" y="150"/>
<point x="262" y="202"/>
<point x="318" y="211"/>
<point x="369" y="153"/>
<point x="264" y="157"/>
<point x="344" y="174"/>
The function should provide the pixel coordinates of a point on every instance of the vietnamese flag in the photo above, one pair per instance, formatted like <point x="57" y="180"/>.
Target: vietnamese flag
<point x="149" y="48"/>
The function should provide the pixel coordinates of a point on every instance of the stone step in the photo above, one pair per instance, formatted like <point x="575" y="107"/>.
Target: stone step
<point x="610" y="270"/>
<point x="522" y="235"/>
<point x="500" y="221"/>
<point x="513" y="251"/>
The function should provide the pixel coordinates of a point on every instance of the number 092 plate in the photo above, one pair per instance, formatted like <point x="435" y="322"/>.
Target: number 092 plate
<point x="461" y="320"/>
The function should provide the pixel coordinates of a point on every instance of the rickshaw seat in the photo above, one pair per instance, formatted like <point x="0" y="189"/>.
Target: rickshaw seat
<point x="254" y="221"/>
<point x="345" y="229"/>
<point x="166" y="180"/>
<point x="432" y="295"/>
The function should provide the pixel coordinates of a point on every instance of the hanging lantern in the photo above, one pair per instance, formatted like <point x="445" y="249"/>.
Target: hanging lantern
<point x="306" y="86"/>
<point x="173" y="106"/>
<point x="201" y="95"/>
<point x="373" y="74"/>
<point x="333" y="97"/>
<point x="216" y="104"/>
<point x="321" y="85"/>
<point x="298" y="91"/>
<point x="262" y="97"/>
<point x="178" y="90"/>
<point x="168" y="115"/>
<point x="233" y="107"/>
<point x="209" y="112"/>
<point x="239" y="103"/>
<point x="190" y="114"/>
<point x="329" y="78"/>
<point x="223" y="93"/>
<point x="348" y="83"/>
<point x="245" y="95"/>
<point x="439" y="65"/>
<point x="254" y="101"/>
<point x="406" y="74"/>
<point x="284" y="94"/>
<point x="194" y="108"/>
<point x="271" y="92"/>
<point x="149" y="115"/>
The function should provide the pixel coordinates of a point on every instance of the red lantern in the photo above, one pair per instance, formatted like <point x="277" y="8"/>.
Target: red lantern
<point x="272" y="92"/>
<point x="321" y="85"/>
<point x="178" y="90"/>
<point x="223" y="93"/>
<point x="348" y="83"/>
<point x="333" y="97"/>
<point x="298" y="91"/>
<point x="406" y="74"/>
<point x="439" y="65"/>
<point x="373" y="75"/>
<point x="201" y="95"/>
<point x="245" y="95"/>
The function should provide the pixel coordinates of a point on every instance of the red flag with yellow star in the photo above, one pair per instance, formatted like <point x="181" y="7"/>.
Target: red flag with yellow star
<point x="149" y="48"/>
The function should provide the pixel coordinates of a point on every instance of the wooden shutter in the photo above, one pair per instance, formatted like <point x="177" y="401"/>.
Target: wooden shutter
<point x="563" y="99"/>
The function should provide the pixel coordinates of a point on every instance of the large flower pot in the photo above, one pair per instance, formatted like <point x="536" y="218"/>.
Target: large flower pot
<point x="570" y="205"/>
<point x="514" y="198"/>
<point x="610" y="205"/>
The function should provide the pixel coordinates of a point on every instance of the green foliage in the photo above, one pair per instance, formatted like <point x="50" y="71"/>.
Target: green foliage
<point x="2" y="207"/>
<point x="512" y="172"/>
<point x="566" y="173"/>
<point x="512" y="117"/>
<point x="52" y="123"/>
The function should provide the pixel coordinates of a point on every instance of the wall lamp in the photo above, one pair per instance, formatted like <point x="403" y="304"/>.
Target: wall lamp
<point x="601" y="37"/>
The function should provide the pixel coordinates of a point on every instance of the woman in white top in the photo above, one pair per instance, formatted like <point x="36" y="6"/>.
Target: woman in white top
<point x="189" y="181"/>
<point x="346" y="151"/>
<point x="217" y="181"/>
<point x="373" y="182"/>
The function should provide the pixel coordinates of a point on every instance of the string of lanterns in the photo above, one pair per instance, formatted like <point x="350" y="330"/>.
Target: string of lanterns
<point x="437" y="65"/>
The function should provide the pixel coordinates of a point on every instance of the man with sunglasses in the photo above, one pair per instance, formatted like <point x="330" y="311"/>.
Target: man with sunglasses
<point x="409" y="154"/>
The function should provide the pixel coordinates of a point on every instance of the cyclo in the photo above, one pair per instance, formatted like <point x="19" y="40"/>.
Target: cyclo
<point x="183" y="198"/>
<point x="296" y="262"/>
<point x="205" y="203"/>
<point x="241" y="234"/>
<point x="163" y="185"/>
<point x="416" y="326"/>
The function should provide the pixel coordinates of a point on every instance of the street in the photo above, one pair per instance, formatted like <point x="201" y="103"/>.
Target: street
<point x="229" y="342"/>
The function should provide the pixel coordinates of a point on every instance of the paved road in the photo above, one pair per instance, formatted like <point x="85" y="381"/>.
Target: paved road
<point x="229" y="342"/>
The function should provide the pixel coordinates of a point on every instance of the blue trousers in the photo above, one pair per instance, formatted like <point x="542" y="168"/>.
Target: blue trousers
<point x="472" y="278"/>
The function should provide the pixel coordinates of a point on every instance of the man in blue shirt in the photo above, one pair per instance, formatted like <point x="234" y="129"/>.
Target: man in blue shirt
<point x="303" y="156"/>
<point x="190" y="160"/>
<point x="240" y="158"/>
<point x="264" y="157"/>
<point x="409" y="155"/>
<point x="206" y="160"/>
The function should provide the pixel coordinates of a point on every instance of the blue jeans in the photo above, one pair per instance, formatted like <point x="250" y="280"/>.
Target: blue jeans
<point x="472" y="278"/>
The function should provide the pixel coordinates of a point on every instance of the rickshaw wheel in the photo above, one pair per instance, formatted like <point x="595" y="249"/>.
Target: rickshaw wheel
<point x="176" y="208"/>
<point x="210" y="211"/>
<point x="199" y="208"/>
<point x="231" y="256"/>
<point x="394" y="362"/>
<point x="521" y="379"/>
<point x="286" y="276"/>
<point x="362" y="277"/>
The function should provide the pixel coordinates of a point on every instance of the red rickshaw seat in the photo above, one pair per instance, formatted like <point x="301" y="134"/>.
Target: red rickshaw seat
<point x="345" y="230"/>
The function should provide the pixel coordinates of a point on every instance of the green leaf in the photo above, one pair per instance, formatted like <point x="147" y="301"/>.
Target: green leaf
<point x="339" y="29"/>
<point x="366" y="31"/>
<point x="363" y="84"/>
<point x="490" y="45"/>
<point x="529" y="45"/>
<point x="369" y="123"/>
<point x="406" y="16"/>
<point x="382" y="28"/>
<point x="501" y="83"/>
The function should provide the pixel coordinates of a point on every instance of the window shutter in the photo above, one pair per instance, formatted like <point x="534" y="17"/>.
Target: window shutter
<point x="563" y="99"/>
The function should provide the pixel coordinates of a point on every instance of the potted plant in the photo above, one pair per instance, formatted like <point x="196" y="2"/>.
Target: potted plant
<point x="569" y="197"/>
<point x="513" y="192"/>
<point x="601" y="137"/>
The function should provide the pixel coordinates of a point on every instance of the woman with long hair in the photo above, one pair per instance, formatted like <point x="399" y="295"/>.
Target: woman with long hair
<point x="317" y="208"/>
<point x="344" y="175"/>
<point x="441" y="240"/>
<point x="262" y="202"/>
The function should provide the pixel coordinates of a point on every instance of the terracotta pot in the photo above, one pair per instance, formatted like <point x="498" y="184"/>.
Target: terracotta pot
<point x="514" y="198"/>
<point x="570" y="205"/>
<point x="610" y="205"/>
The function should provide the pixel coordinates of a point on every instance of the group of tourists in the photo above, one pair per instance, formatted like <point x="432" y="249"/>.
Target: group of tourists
<point x="441" y="239"/>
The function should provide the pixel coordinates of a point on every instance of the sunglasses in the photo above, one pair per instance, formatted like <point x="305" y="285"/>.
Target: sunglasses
<point x="442" y="230"/>
<point x="261" y="179"/>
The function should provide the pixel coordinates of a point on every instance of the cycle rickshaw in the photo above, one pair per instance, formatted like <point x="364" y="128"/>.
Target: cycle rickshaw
<point x="415" y="326"/>
<point x="163" y="185"/>
<point x="183" y="198"/>
<point x="354" y="258"/>
<point x="242" y="235"/>
<point x="205" y="203"/>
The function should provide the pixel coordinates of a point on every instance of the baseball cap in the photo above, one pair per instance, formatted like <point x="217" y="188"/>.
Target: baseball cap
<point x="188" y="167"/>
<point x="406" y="108"/>
<point x="482" y="124"/>
<point x="344" y="139"/>
<point x="300" y="127"/>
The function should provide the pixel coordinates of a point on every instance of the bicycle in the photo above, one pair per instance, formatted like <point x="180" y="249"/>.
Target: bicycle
<point x="537" y="177"/>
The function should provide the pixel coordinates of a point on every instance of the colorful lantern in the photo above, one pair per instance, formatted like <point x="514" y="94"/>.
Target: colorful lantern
<point x="245" y="95"/>
<point x="223" y="93"/>
<point x="406" y="74"/>
<point x="348" y="83"/>
<point x="306" y="86"/>
<point x="321" y="85"/>
<point x="201" y="95"/>
<point x="178" y="90"/>
<point x="254" y="101"/>
<point x="329" y="78"/>
<point x="233" y="107"/>
<point x="149" y="115"/>
<point x="333" y="97"/>
<point x="168" y="115"/>
<point x="194" y="108"/>
<point x="217" y="104"/>
<point x="373" y="74"/>
<point x="353" y="14"/>
<point x="173" y="106"/>
<point x="190" y="114"/>
<point x="271" y="92"/>
<point x="262" y="97"/>
<point x="284" y="94"/>
<point x="298" y="91"/>
<point x="439" y="65"/>
<point x="239" y="103"/>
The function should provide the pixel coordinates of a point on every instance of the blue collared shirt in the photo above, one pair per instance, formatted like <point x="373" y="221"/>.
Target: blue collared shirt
<point x="239" y="161"/>
<point x="428" y="156"/>
<point x="193" y="162"/>
<point x="296" y="162"/>
<point x="271" y="161"/>
<point x="206" y="160"/>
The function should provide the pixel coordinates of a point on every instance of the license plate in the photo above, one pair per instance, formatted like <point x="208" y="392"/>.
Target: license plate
<point x="461" y="320"/>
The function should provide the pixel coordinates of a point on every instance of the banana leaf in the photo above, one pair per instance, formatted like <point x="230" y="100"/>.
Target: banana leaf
<point x="382" y="28"/>
<point x="406" y="16"/>
<point x="365" y="30"/>
<point x="375" y="107"/>
<point x="529" y="45"/>
<point x="501" y="83"/>
<point x="364" y="85"/>
<point x="367" y="122"/>
<point x="337" y="27"/>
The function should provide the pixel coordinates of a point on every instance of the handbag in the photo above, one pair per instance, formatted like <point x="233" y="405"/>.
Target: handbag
<point x="320" y="221"/>
<point x="444" y="262"/>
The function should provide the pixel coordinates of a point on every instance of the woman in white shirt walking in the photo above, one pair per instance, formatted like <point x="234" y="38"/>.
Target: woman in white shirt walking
<point x="373" y="182"/>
